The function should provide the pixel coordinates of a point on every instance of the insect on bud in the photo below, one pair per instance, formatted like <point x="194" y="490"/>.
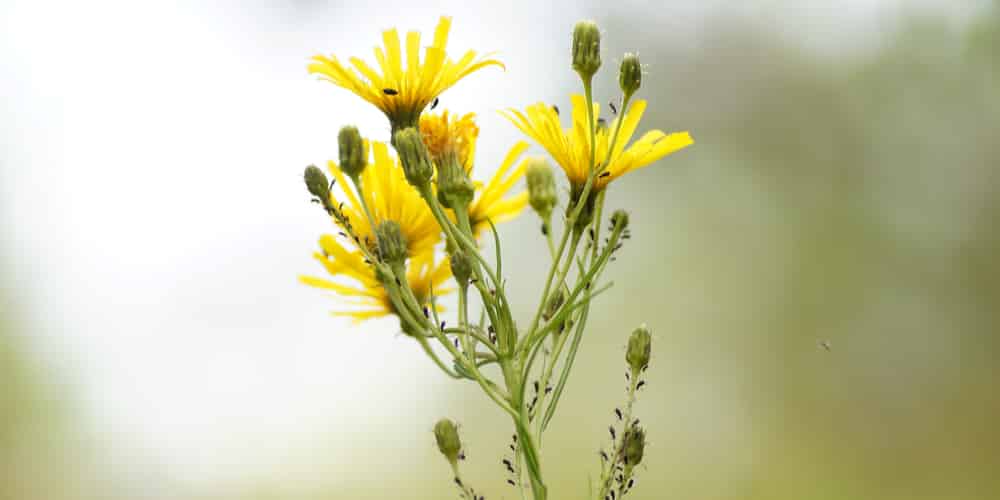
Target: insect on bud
<point x="634" y="445"/>
<point x="630" y="75"/>
<point x="353" y="153"/>
<point x="541" y="187"/>
<point x="414" y="156"/>
<point x="586" y="49"/>
<point x="455" y="189"/>
<point x="391" y="242"/>
<point x="639" y="347"/>
<point x="461" y="268"/>
<point x="446" y="434"/>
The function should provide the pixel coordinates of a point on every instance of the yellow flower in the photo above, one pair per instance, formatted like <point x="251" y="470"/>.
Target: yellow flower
<point x="389" y="197"/>
<point x="402" y="93"/>
<point x="369" y="296"/>
<point x="570" y="148"/>
<point x="446" y="135"/>
<point x="490" y="204"/>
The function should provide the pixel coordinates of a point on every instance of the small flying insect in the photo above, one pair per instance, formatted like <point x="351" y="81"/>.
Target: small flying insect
<point x="614" y="110"/>
<point x="390" y="91"/>
<point x="434" y="103"/>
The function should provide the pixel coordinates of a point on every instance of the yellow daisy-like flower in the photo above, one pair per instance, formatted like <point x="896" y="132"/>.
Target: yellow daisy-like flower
<point x="445" y="136"/>
<point x="402" y="93"/>
<point x="571" y="148"/>
<point x="389" y="197"/>
<point x="370" y="297"/>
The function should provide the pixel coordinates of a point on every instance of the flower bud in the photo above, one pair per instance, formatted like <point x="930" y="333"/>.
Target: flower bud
<point x="391" y="242"/>
<point x="634" y="445"/>
<point x="319" y="186"/>
<point x="455" y="189"/>
<point x="461" y="268"/>
<point x="639" y="347"/>
<point x="413" y="155"/>
<point x="630" y="75"/>
<point x="541" y="188"/>
<point x="555" y="302"/>
<point x="586" y="49"/>
<point x="353" y="154"/>
<point x="317" y="183"/>
<point x="446" y="434"/>
<point x="619" y="217"/>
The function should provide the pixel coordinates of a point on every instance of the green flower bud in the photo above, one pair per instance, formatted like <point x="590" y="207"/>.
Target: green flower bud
<point x="639" y="347"/>
<point x="541" y="188"/>
<point x="455" y="189"/>
<point x="319" y="186"/>
<point x="414" y="156"/>
<point x="586" y="49"/>
<point x="391" y="242"/>
<point x="630" y="75"/>
<point x="634" y="445"/>
<point x="317" y="183"/>
<point x="552" y="307"/>
<point x="619" y="217"/>
<point x="446" y="434"/>
<point x="461" y="268"/>
<point x="353" y="155"/>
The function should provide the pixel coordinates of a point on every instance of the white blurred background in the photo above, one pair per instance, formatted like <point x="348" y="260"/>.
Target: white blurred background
<point x="154" y="224"/>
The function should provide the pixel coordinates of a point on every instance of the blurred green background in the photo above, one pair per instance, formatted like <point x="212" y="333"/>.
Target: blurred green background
<point x="843" y="196"/>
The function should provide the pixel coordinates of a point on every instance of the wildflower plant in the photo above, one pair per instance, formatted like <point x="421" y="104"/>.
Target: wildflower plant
<point x="410" y="224"/>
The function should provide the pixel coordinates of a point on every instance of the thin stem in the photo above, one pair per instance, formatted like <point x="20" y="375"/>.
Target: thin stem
<point x="430" y="352"/>
<point x="364" y="203"/>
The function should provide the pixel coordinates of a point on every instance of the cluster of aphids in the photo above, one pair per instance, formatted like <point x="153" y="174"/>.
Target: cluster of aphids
<point x="508" y="464"/>
<point x="628" y="379"/>
<point x="534" y="399"/>
<point x="626" y="234"/>
<point x="469" y="493"/>
<point x="337" y="212"/>
<point x="620" y="473"/>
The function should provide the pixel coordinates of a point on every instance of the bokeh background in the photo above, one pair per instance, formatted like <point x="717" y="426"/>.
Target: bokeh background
<point x="844" y="189"/>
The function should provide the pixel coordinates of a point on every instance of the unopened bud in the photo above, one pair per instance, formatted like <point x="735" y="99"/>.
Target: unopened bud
<point x="461" y="268"/>
<point x="619" y="218"/>
<point x="317" y="183"/>
<point x="455" y="189"/>
<point x="639" y="348"/>
<point x="552" y="307"/>
<point x="630" y="75"/>
<point x="446" y="434"/>
<point x="541" y="188"/>
<point x="586" y="49"/>
<point x="353" y="154"/>
<point x="391" y="242"/>
<point x="414" y="156"/>
<point x="634" y="445"/>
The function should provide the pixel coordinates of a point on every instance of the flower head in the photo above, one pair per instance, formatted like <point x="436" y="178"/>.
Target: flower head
<point x="447" y="135"/>
<point x="452" y="138"/>
<point x="389" y="198"/>
<point x="571" y="148"/>
<point x="368" y="295"/>
<point x="402" y="92"/>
